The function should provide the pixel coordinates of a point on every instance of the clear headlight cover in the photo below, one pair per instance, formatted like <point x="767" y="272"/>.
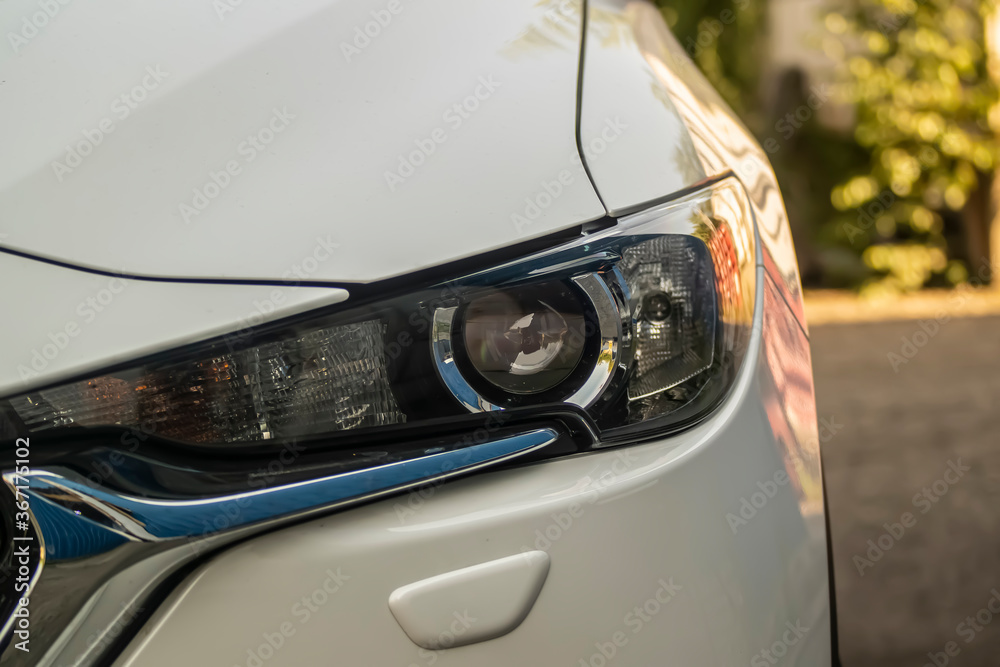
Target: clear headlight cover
<point x="642" y="325"/>
<point x="315" y="381"/>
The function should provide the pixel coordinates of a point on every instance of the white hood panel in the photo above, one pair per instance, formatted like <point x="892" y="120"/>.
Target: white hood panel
<point x="127" y="133"/>
<point x="67" y="322"/>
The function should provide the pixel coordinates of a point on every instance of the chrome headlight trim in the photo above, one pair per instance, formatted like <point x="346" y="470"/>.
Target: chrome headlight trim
<point x="166" y="533"/>
<point x="609" y="322"/>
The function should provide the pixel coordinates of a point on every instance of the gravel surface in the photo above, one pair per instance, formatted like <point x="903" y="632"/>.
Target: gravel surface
<point x="903" y="430"/>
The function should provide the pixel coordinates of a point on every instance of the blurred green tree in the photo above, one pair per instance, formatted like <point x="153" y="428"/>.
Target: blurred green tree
<point x="729" y="56"/>
<point x="914" y="209"/>
<point x="917" y="74"/>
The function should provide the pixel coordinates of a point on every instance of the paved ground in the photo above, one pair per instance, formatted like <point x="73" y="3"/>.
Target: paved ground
<point x="901" y="432"/>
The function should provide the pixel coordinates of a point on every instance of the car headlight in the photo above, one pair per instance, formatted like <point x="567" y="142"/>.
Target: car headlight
<point x="641" y="326"/>
<point x="624" y="333"/>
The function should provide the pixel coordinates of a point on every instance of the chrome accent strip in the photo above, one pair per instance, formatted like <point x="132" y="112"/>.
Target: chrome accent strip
<point x="82" y="600"/>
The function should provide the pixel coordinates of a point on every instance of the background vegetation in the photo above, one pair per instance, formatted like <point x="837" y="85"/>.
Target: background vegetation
<point x="899" y="197"/>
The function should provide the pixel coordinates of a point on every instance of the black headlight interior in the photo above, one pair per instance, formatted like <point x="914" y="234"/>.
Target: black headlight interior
<point x="642" y="326"/>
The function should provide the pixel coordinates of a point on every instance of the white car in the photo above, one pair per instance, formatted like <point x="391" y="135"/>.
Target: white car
<point x="370" y="332"/>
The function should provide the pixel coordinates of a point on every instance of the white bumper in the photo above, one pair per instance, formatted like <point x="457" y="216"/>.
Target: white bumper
<point x="704" y="548"/>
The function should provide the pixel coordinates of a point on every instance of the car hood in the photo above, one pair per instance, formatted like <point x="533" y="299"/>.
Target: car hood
<point x="302" y="140"/>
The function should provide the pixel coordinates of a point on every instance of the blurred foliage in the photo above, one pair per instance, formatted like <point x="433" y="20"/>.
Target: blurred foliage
<point x="887" y="206"/>
<point x="728" y="51"/>
<point x="918" y="79"/>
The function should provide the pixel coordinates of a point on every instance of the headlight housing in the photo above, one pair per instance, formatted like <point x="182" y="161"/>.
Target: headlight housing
<point x="642" y="326"/>
<point x="624" y="333"/>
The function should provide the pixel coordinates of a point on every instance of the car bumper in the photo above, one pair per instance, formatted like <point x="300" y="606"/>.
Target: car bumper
<point x="707" y="547"/>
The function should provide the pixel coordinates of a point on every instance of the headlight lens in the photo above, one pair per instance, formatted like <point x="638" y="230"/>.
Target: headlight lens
<point x="642" y="325"/>
<point x="525" y="340"/>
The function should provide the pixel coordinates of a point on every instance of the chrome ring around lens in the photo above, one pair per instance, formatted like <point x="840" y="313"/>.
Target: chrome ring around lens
<point x="443" y="353"/>
<point x="609" y="322"/>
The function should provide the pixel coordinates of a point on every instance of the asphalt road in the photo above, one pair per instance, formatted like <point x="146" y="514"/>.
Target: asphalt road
<point x="903" y="430"/>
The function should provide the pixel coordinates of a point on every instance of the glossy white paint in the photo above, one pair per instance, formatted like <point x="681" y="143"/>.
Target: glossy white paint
<point x="628" y="117"/>
<point x="623" y="529"/>
<point x="344" y="117"/>
<point x="639" y="530"/>
<point x="62" y="322"/>
<point x="679" y="128"/>
<point x="471" y="604"/>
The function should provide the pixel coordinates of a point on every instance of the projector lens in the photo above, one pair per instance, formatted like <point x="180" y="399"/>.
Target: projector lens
<point x="525" y="340"/>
